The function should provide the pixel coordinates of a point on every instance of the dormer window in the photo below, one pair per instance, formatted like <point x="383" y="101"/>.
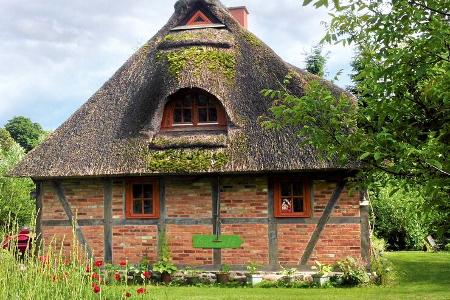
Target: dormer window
<point x="193" y="108"/>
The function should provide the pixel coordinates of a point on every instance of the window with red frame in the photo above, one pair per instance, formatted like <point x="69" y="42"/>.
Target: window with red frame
<point x="292" y="198"/>
<point x="142" y="199"/>
<point x="193" y="108"/>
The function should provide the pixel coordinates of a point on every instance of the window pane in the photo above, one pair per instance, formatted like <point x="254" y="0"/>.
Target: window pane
<point x="202" y="100"/>
<point x="212" y="114"/>
<point x="286" y="205"/>
<point x="286" y="189"/>
<point x="177" y="116"/>
<point x="148" y="191"/>
<point x="297" y="188"/>
<point x="137" y="206"/>
<point x="202" y="115"/>
<point x="148" y="206"/>
<point x="187" y="116"/>
<point x="298" y="204"/>
<point x="137" y="191"/>
<point x="179" y="103"/>
<point x="187" y="102"/>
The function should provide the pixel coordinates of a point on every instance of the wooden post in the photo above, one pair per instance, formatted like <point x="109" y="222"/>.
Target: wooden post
<point x="107" y="216"/>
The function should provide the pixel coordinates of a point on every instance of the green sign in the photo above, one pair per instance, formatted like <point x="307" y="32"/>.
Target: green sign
<point x="211" y="241"/>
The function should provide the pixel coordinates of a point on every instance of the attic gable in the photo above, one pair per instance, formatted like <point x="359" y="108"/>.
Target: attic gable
<point x="198" y="16"/>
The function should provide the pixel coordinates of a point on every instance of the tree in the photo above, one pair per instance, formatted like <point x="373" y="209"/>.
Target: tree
<point x="26" y="133"/>
<point x="315" y="61"/>
<point x="15" y="199"/>
<point x="398" y="124"/>
<point x="403" y="217"/>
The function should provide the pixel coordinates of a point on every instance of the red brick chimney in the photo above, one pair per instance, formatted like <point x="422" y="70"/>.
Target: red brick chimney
<point x="240" y="14"/>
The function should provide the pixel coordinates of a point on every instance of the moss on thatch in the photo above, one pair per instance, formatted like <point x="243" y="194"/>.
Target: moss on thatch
<point x="189" y="141"/>
<point x="252" y="39"/>
<point x="189" y="35"/>
<point x="219" y="61"/>
<point x="186" y="160"/>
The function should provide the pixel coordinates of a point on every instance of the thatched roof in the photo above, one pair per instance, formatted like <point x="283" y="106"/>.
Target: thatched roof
<point x="117" y="131"/>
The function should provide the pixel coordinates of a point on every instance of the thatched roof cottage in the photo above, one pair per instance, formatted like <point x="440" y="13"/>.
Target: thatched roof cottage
<point x="172" y="143"/>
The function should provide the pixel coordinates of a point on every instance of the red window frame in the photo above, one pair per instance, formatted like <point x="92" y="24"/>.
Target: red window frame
<point x="193" y="20"/>
<point x="168" y="122"/>
<point x="306" y="198"/>
<point x="129" y="203"/>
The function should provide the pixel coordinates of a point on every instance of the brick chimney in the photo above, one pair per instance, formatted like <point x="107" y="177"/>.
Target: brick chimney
<point x="240" y="14"/>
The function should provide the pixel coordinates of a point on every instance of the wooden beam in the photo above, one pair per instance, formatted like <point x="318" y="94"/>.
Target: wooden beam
<point x="365" y="228"/>
<point x="57" y="186"/>
<point x="215" y="192"/>
<point x="202" y="221"/>
<point x="107" y="215"/>
<point x="321" y="224"/>
<point x="161" y="222"/>
<point x="272" y="229"/>
<point x="39" y="207"/>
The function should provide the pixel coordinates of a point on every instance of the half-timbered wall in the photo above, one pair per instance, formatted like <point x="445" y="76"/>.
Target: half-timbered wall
<point x="95" y="208"/>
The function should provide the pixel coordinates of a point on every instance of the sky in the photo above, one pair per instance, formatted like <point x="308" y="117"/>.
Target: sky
<point x="56" y="53"/>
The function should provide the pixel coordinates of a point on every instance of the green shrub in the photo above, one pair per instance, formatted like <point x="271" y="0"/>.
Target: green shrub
<point x="354" y="272"/>
<point x="283" y="284"/>
<point x="403" y="218"/>
<point x="447" y="247"/>
<point x="381" y="267"/>
<point x="15" y="200"/>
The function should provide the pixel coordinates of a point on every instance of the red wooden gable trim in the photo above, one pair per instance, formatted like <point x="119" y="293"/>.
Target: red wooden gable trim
<point x="199" y="18"/>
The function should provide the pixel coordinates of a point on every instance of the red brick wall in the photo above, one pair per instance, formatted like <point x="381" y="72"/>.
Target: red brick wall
<point x="187" y="198"/>
<point x="336" y="242"/>
<point x="57" y="237"/>
<point x="51" y="207"/>
<point x="180" y="244"/>
<point x="255" y="246"/>
<point x="86" y="200"/>
<point x="133" y="243"/>
<point x="292" y="241"/>
<point x="243" y="197"/>
<point x="348" y="205"/>
<point x="118" y="200"/>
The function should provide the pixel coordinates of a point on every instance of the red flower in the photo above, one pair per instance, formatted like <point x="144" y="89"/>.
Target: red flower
<point x="95" y="276"/>
<point x="147" y="274"/>
<point x="127" y="294"/>
<point x="117" y="276"/>
<point x="88" y="269"/>
<point x="140" y="290"/>
<point x="96" y="288"/>
<point x="98" y="263"/>
<point x="123" y="263"/>
<point x="43" y="259"/>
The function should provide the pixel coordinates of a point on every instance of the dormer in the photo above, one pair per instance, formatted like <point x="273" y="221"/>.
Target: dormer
<point x="193" y="109"/>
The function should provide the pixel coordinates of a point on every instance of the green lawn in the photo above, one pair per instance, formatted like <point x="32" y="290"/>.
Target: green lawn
<point x="421" y="276"/>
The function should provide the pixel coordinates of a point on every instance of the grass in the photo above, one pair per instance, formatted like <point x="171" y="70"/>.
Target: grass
<point x="419" y="276"/>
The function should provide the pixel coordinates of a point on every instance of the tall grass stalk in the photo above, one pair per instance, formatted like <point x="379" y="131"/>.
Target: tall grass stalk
<point x="47" y="273"/>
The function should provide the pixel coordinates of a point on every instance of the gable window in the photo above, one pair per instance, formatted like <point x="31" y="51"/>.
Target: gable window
<point x="142" y="199"/>
<point x="199" y="18"/>
<point x="190" y="108"/>
<point x="292" y="198"/>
